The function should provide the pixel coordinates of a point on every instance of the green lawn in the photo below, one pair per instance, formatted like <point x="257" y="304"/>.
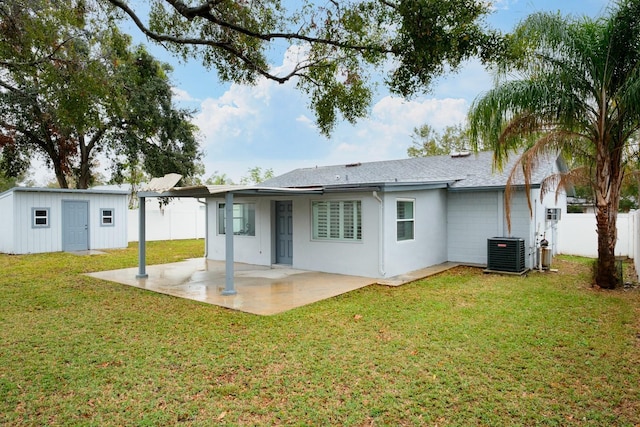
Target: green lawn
<point x="461" y="348"/>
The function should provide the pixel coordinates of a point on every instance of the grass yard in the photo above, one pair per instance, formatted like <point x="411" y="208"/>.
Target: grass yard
<point x="458" y="349"/>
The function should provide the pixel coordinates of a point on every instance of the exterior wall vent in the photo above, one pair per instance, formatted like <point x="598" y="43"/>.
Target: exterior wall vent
<point x="553" y="214"/>
<point x="505" y="254"/>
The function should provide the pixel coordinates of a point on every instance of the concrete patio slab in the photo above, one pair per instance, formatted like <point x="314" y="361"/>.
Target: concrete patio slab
<point x="261" y="290"/>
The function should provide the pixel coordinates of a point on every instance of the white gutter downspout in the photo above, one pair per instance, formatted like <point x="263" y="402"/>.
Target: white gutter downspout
<point x="206" y="226"/>
<point x="381" y="238"/>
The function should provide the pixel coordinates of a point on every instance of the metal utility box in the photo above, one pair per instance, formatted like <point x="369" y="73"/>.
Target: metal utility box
<point x="506" y="254"/>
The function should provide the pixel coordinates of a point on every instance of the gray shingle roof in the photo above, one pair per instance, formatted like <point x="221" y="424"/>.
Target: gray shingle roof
<point x="472" y="171"/>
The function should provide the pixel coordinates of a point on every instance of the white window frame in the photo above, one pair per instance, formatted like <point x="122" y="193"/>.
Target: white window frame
<point x="336" y="220"/>
<point x="35" y="217"/>
<point x="110" y="217"/>
<point x="244" y="224"/>
<point x="411" y="220"/>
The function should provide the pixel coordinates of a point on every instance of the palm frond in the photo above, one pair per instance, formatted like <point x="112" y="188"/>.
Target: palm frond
<point x="560" y="181"/>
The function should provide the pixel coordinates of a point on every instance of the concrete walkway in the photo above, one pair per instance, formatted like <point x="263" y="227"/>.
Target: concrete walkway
<point x="260" y="289"/>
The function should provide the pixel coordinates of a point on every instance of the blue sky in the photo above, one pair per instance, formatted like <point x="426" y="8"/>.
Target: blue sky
<point x="269" y="125"/>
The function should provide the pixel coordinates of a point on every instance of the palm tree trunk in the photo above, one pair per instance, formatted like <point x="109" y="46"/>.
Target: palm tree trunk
<point x="606" y="276"/>
<point x="608" y="184"/>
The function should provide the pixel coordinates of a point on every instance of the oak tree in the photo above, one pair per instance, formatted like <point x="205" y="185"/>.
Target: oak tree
<point x="73" y="88"/>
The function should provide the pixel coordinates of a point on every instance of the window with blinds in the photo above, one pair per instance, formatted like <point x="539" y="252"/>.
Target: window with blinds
<point x="337" y="220"/>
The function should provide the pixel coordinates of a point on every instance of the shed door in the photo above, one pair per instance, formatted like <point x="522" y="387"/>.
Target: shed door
<point x="284" y="232"/>
<point x="75" y="225"/>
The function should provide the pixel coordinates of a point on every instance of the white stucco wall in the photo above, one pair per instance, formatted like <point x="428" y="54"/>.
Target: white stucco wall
<point x="543" y="228"/>
<point x="343" y="257"/>
<point x="248" y="249"/>
<point x="449" y="226"/>
<point x="372" y="256"/>
<point x="429" y="247"/>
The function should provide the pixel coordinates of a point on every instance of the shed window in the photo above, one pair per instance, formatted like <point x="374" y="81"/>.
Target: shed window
<point x="106" y="217"/>
<point x="40" y="217"/>
<point x="405" y="219"/>
<point x="244" y="219"/>
<point x="337" y="220"/>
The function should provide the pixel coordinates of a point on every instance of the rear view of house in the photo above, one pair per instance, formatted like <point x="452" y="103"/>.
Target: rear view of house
<point x="34" y="220"/>
<point x="379" y="219"/>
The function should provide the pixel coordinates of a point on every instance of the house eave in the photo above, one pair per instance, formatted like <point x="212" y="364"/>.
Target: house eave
<point x="415" y="186"/>
<point x="490" y="188"/>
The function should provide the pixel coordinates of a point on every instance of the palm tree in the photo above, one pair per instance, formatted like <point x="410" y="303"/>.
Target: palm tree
<point x="570" y="86"/>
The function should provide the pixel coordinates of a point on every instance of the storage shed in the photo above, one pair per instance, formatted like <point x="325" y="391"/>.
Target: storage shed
<point x="36" y="220"/>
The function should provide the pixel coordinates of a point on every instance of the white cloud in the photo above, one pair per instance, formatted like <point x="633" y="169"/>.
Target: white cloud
<point x="180" y="95"/>
<point x="501" y="4"/>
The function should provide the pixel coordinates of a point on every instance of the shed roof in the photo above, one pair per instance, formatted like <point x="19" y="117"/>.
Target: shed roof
<point x="62" y="190"/>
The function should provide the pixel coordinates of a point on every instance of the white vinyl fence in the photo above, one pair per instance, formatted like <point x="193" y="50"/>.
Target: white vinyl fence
<point x="578" y="236"/>
<point x="176" y="221"/>
<point x="636" y="239"/>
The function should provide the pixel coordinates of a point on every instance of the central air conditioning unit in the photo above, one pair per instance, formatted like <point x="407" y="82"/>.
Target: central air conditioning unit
<point x="505" y="254"/>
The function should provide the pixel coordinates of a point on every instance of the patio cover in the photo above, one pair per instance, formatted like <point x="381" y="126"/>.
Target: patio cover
<point x="163" y="187"/>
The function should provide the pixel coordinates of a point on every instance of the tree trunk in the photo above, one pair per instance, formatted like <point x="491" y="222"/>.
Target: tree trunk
<point x="60" y="177"/>
<point x="57" y="166"/>
<point x="606" y="273"/>
<point x="84" y="172"/>
<point x="607" y="194"/>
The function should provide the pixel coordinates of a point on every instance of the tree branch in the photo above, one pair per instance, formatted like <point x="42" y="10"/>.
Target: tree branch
<point x="39" y="61"/>
<point x="203" y="11"/>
